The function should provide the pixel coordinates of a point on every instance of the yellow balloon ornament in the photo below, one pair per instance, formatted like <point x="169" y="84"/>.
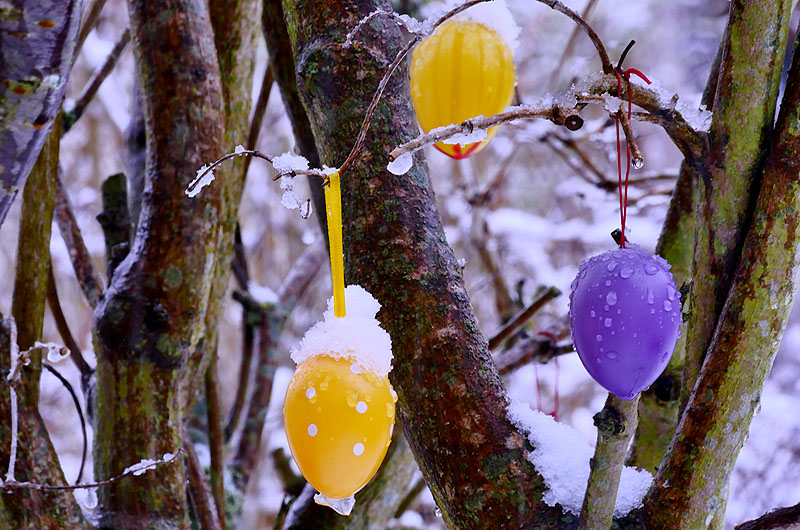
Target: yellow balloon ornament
<point x="339" y="408"/>
<point x="461" y="71"/>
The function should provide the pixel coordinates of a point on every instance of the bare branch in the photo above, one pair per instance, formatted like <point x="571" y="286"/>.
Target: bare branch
<point x="521" y="318"/>
<point x="78" y="408"/>
<point x="63" y="329"/>
<point x="258" y="113"/>
<point x="132" y="470"/>
<point x="216" y="439"/>
<point x="558" y="115"/>
<point x="779" y="519"/>
<point x="79" y="255"/>
<point x="97" y="79"/>
<point x="88" y="22"/>
<point x="636" y="154"/>
<point x="203" y="502"/>
<point x="616" y="424"/>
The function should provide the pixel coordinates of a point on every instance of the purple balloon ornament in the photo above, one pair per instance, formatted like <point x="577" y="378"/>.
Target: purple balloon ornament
<point x="625" y="317"/>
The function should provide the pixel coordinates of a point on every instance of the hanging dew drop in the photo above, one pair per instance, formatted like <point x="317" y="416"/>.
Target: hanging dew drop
<point x="637" y="163"/>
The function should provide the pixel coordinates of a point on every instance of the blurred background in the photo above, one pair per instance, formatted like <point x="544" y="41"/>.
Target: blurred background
<point x="521" y="214"/>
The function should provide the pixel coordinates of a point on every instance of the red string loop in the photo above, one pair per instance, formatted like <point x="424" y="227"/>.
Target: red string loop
<point x="623" y="199"/>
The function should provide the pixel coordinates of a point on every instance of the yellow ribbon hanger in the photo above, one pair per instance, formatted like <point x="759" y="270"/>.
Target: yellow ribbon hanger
<point x="333" y="206"/>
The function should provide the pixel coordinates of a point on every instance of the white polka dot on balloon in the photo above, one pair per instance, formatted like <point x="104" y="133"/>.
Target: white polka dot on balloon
<point x="311" y="392"/>
<point x="312" y="429"/>
<point x="358" y="449"/>
<point x="361" y="407"/>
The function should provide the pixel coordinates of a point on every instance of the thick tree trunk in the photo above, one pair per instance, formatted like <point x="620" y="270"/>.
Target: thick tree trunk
<point x="395" y="247"/>
<point x="37" y="47"/>
<point x="36" y="458"/>
<point x="692" y="481"/>
<point x="152" y="320"/>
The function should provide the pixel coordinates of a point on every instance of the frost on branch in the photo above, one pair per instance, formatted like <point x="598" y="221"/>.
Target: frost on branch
<point x="144" y="464"/>
<point x="205" y="176"/>
<point x="561" y="455"/>
<point x="401" y="164"/>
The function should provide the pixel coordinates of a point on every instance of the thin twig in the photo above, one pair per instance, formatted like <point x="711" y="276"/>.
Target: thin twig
<point x="522" y="317"/>
<point x="412" y="494"/>
<point x="532" y="348"/>
<point x="88" y="23"/>
<point x="258" y="154"/>
<point x="79" y="255"/>
<point x="245" y="375"/>
<point x="77" y="403"/>
<point x="239" y="262"/>
<point x="258" y="113"/>
<point x="215" y="437"/>
<point x="598" y="44"/>
<point x="205" y="508"/>
<point x="63" y="329"/>
<point x="557" y="115"/>
<point x="97" y="79"/>
<point x="137" y="470"/>
<point x="636" y="154"/>
<point x="570" y="45"/>
<point x="283" y="511"/>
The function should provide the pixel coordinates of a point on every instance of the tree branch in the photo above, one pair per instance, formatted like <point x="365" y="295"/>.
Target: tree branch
<point x="116" y="222"/>
<point x="738" y="360"/>
<point x="779" y="519"/>
<point x="205" y="508"/>
<point x="216" y="441"/>
<point x="616" y="424"/>
<point x="658" y="406"/>
<point x="521" y="318"/>
<point x="87" y="276"/>
<point x="96" y="80"/>
<point x="35" y="61"/>
<point x="63" y="329"/>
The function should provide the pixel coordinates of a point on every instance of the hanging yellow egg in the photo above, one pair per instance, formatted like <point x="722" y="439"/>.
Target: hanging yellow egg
<point x="339" y="419"/>
<point x="461" y="71"/>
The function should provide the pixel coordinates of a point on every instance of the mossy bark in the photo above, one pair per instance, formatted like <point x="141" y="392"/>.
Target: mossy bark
<point x="693" y="478"/>
<point x="659" y="404"/>
<point x="36" y="458"/>
<point x="744" y="111"/>
<point x="395" y="247"/>
<point x="37" y="48"/>
<point x="152" y="320"/>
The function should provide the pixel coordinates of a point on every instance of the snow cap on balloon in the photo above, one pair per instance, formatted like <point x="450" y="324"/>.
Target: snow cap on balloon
<point x="357" y="335"/>
<point x="625" y="317"/>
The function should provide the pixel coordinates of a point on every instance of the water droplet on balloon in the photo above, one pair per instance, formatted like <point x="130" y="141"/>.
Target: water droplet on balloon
<point x="665" y="357"/>
<point x="611" y="354"/>
<point x="670" y="292"/>
<point x="626" y="273"/>
<point x="607" y="323"/>
<point x="611" y="266"/>
<point x="593" y="314"/>
<point x="637" y="163"/>
<point x="351" y="396"/>
<point x="650" y="298"/>
<point x="574" y="284"/>
<point x="611" y="298"/>
<point x="437" y="512"/>
<point x="605" y="257"/>
<point x="667" y="305"/>
<point x="608" y="283"/>
<point x="583" y="273"/>
<point x="599" y="360"/>
<point x="651" y="269"/>
<point x="652" y="311"/>
<point x="598" y="337"/>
